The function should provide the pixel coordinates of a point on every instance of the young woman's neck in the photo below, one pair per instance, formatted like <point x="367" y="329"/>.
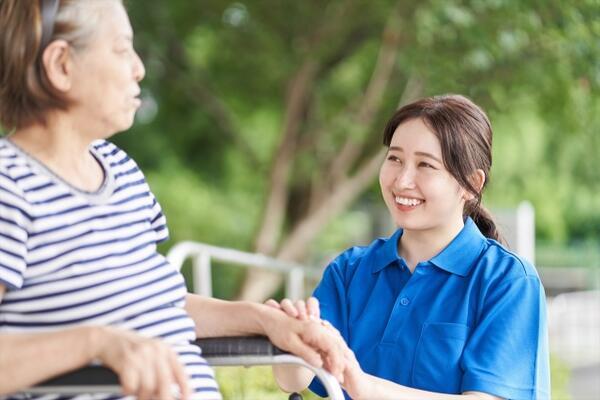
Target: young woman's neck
<point x="416" y="246"/>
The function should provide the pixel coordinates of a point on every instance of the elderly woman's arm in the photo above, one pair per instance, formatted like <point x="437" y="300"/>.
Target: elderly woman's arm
<point x="26" y="359"/>
<point x="146" y="367"/>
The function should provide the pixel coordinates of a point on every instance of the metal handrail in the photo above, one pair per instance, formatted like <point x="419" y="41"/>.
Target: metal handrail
<point x="202" y="254"/>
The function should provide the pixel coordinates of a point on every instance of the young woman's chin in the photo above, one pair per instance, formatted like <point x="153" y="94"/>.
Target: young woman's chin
<point x="408" y="224"/>
<point x="415" y="222"/>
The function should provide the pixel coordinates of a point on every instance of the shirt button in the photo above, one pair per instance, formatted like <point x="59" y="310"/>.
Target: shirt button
<point x="404" y="301"/>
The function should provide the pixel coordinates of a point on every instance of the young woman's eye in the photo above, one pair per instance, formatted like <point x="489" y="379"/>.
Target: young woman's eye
<point x="393" y="158"/>
<point x="426" y="165"/>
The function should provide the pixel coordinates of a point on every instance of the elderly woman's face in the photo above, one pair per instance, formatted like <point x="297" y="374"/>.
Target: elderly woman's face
<point x="106" y="75"/>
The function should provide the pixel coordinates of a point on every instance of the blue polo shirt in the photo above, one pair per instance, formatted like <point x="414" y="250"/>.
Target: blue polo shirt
<point x="473" y="318"/>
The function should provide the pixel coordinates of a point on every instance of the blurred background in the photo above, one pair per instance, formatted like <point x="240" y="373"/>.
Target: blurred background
<point x="261" y="131"/>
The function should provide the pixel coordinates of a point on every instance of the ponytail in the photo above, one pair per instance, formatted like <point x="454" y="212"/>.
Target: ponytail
<point x="484" y="221"/>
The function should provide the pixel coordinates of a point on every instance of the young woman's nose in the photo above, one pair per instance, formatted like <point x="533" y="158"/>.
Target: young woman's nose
<point x="405" y="178"/>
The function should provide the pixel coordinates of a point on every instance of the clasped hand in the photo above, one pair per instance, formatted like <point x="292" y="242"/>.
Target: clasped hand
<point x="337" y="357"/>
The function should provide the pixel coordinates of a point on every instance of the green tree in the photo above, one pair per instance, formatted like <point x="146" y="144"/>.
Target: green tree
<point x="269" y="113"/>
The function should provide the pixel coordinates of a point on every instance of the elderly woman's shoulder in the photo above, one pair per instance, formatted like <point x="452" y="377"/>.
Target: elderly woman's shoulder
<point x="11" y="159"/>
<point x="112" y="153"/>
<point x="105" y="147"/>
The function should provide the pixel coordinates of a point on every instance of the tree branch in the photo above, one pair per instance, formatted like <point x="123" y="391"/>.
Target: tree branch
<point x="299" y="92"/>
<point x="200" y="93"/>
<point x="274" y="211"/>
<point x="342" y="196"/>
<point x="371" y="101"/>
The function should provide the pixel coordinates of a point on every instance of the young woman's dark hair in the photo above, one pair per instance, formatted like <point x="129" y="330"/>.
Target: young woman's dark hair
<point x="465" y="136"/>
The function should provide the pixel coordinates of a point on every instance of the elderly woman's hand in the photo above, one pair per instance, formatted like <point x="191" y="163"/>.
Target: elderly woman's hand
<point x="147" y="368"/>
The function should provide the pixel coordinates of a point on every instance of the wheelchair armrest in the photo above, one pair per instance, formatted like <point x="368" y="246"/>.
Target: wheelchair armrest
<point x="222" y="351"/>
<point x="90" y="379"/>
<point x="237" y="346"/>
<point x="258" y="350"/>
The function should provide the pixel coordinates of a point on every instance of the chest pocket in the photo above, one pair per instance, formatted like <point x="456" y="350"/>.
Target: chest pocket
<point x="437" y="357"/>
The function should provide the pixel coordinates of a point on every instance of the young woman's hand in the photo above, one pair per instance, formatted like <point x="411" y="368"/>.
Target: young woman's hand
<point x="300" y="309"/>
<point x="356" y="382"/>
<point x="147" y="368"/>
<point x="320" y="345"/>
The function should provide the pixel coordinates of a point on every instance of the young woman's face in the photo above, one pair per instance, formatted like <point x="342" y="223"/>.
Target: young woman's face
<point x="419" y="192"/>
<point x="106" y="75"/>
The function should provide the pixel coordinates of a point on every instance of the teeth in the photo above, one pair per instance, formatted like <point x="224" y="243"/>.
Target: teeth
<point x="407" y="202"/>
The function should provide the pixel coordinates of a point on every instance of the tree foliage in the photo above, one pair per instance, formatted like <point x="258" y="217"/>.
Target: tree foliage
<point x="267" y="115"/>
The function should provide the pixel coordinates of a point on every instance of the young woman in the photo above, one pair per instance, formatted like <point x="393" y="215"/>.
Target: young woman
<point x="80" y="277"/>
<point x="440" y="308"/>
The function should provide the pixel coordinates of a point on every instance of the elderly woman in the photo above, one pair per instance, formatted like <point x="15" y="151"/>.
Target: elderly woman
<point x="80" y="277"/>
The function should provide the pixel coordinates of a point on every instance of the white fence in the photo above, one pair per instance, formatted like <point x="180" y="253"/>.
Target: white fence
<point x="202" y="254"/>
<point x="574" y="327"/>
<point x="518" y="228"/>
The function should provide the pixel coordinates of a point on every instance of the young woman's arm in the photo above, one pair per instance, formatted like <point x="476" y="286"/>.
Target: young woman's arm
<point x="292" y="378"/>
<point x="363" y="386"/>
<point x="382" y="389"/>
<point x="146" y="367"/>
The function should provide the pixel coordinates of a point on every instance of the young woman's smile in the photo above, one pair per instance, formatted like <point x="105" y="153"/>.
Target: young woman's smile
<point x="407" y="203"/>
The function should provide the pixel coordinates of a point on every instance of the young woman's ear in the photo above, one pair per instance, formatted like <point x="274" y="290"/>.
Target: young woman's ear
<point x="57" y="63"/>
<point x="477" y="180"/>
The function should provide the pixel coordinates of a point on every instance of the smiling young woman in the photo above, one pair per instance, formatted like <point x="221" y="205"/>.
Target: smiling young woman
<point x="440" y="309"/>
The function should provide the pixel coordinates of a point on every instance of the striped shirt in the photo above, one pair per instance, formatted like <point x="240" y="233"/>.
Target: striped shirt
<point x="70" y="257"/>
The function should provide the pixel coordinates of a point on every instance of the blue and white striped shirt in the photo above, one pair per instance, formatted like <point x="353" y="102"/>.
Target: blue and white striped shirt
<point x="69" y="257"/>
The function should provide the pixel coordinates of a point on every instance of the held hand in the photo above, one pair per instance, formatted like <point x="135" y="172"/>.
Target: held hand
<point x="300" y="309"/>
<point x="147" y="368"/>
<point x="319" y="345"/>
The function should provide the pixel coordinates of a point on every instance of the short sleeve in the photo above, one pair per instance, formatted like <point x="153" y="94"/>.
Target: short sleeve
<point x="331" y="293"/>
<point x="128" y="174"/>
<point x="507" y="353"/>
<point x="14" y="219"/>
<point x="158" y="221"/>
